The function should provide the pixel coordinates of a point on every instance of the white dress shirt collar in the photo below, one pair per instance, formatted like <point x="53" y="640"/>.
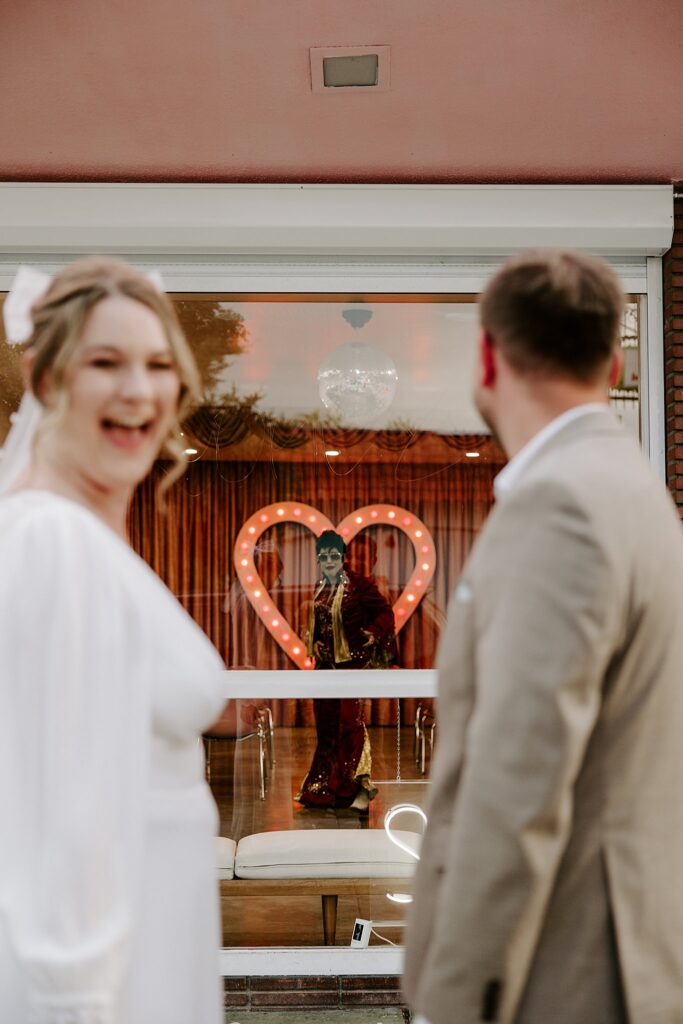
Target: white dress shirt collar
<point x="509" y="474"/>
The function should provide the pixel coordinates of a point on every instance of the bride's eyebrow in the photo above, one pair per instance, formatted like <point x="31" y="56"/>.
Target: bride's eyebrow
<point x="99" y="348"/>
<point x="89" y="347"/>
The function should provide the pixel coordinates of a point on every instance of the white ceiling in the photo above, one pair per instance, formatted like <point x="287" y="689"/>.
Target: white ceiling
<point x="431" y="343"/>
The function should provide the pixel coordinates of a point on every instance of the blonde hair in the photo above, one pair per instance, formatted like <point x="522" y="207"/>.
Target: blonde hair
<point x="58" y="320"/>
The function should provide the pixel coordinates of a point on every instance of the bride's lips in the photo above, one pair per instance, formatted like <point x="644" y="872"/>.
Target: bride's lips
<point x="126" y="436"/>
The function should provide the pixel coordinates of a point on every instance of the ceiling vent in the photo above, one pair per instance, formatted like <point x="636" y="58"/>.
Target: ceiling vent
<point x="349" y="67"/>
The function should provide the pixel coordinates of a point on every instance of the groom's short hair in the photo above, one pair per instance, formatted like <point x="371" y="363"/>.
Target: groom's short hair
<point x="554" y="312"/>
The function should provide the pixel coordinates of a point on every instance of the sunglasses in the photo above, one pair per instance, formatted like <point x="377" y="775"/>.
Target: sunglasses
<point x="331" y="556"/>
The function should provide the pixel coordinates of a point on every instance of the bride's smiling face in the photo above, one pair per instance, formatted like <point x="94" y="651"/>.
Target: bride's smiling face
<point x="122" y="391"/>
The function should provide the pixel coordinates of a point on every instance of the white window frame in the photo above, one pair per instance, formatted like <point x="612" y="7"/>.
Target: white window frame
<point x="329" y="238"/>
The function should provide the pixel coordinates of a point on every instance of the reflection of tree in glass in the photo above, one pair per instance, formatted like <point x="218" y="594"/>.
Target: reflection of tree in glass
<point x="11" y="387"/>
<point x="215" y="332"/>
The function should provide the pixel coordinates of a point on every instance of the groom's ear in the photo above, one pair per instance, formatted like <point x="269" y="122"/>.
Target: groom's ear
<point x="488" y="370"/>
<point x="616" y="367"/>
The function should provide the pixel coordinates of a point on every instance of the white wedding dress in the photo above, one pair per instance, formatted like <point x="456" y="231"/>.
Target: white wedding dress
<point x="108" y="892"/>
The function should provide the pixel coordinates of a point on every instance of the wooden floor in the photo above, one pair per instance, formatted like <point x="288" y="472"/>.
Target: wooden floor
<point x="296" y="921"/>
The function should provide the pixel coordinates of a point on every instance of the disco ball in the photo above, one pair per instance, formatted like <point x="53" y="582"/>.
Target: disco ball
<point x="357" y="382"/>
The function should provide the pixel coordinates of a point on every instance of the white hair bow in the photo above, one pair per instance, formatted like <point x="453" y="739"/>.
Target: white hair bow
<point x="27" y="287"/>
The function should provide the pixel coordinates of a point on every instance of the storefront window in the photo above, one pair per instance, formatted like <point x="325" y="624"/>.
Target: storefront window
<point x="324" y="413"/>
<point x="290" y="914"/>
<point x="271" y="466"/>
<point x="351" y="414"/>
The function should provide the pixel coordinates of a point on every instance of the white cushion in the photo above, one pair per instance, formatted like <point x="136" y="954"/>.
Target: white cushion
<point x="225" y="854"/>
<point x="325" y="853"/>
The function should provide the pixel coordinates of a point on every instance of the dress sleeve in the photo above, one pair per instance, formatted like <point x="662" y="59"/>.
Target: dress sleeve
<point x="74" y="750"/>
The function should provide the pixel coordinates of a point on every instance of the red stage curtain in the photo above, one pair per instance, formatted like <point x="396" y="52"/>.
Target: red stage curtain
<point x="191" y="547"/>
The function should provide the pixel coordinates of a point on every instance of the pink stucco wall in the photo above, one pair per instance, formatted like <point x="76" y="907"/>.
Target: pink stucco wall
<point x="481" y="90"/>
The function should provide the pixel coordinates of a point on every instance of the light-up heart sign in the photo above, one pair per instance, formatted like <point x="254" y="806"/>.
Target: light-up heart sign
<point x="316" y="522"/>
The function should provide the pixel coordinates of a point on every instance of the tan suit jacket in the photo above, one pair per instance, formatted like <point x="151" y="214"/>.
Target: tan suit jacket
<point x="550" y="889"/>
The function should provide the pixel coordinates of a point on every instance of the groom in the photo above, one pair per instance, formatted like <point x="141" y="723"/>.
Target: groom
<point x="549" y="888"/>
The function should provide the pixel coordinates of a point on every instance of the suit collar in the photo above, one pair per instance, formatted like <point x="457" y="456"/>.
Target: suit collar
<point x="577" y="420"/>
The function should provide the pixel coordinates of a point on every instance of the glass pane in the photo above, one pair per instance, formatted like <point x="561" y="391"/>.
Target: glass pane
<point x="350" y="413"/>
<point x="625" y="397"/>
<point x="407" y="485"/>
<point x="257" y="795"/>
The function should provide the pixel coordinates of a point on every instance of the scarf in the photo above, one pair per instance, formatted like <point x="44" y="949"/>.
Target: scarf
<point x="341" y="647"/>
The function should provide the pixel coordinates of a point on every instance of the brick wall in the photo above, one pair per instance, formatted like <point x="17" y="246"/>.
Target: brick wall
<point x="673" y="355"/>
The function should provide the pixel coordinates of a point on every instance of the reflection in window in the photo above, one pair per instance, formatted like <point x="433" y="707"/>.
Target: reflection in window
<point x="263" y="436"/>
<point x="291" y="914"/>
<point x="403" y="470"/>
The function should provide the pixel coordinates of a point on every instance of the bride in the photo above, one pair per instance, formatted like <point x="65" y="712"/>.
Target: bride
<point x="108" y="902"/>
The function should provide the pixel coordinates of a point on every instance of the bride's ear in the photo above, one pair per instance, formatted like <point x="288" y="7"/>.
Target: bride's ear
<point x="27" y="361"/>
<point x="26" y="367"/>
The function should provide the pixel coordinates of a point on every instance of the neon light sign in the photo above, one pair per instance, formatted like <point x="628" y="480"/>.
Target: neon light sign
<point x="296" y="512"/>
